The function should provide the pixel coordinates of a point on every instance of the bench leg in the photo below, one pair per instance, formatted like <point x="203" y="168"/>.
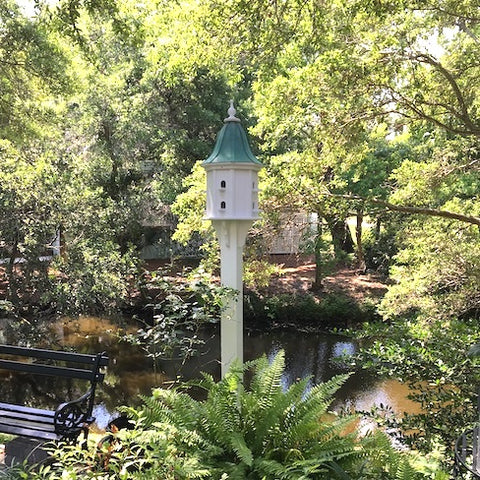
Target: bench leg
<point x="85" y="431"/>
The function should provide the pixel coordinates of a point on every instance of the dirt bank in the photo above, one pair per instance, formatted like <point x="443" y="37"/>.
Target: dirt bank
<point x="298" y="274"/>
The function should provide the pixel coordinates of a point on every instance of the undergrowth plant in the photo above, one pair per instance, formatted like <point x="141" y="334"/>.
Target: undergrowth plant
<point x="306" y="311"/>
<point x="253" y="429"/>
<point x="260" y="430"/>
<point x="180" y="310"/>
<point x="432" y="358"/>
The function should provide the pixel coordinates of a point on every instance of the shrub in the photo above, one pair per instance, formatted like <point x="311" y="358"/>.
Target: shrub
<point x="179" y="311"/>
<point x="266" y="432"/>
<point x="432" y="359"/>
<point x="90" y="279"/>
<point x="381" y="249"/>
<point x="259" y="432"/>
<point x="333" y="310"/>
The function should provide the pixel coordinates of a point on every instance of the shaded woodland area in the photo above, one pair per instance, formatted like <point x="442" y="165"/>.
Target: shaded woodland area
<point x="364" y="113"/>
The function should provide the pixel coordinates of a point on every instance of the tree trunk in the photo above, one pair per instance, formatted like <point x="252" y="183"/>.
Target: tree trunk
<point x="12" y="289"/>
<point x="341" y="237"/>
<point x="63" y="244"/>
<point x="378" y="228"/>
<point x="361" y="265"/>
<point x="317" y="284"/>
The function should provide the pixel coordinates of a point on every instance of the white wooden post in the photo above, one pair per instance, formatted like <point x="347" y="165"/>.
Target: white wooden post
<point x="232" y="206"/>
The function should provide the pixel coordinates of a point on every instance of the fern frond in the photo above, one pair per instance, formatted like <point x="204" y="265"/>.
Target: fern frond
<point x="405" y="471"/>
<point x="271" y="469"/>
<point x="305" y="420"/>
<point x="221" y="412"/>
<point x="205" y="383"/>
<point x="340" y="473"/>
<point x="268" y="428"/>
<point x="263" y="431"/>
<point x="234" y="471"/>
<point x="169" y="406"/>
<point x="153" y="411"/>
<point x="318" y="398"/>
<point x="240" y="448"/>
<point x="266" y="381"/>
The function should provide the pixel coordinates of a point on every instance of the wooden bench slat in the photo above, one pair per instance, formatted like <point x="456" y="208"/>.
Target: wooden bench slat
<point x="7" y="417"/>
<point x="53" y="355"/>
<point x="31" y="424"/>
<point x="29" y="432"/>
<point x="11" y="407"/>
<point x="50" y="370"/>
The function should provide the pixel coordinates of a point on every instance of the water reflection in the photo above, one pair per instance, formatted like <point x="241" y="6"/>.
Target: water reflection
<point x="130" y="373"/>
<point x="387" y="392"/>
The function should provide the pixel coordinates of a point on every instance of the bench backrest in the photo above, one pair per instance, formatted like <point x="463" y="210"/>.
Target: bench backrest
<point x="87" y="367"/>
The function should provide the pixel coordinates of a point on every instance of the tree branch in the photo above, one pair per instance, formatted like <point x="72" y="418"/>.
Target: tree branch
<point x="465" y="167"/>
<point x="424" y="58"/>
<point x="425" y="116"/>
<point x="432" y="212"/>
<point x="458" y="109"/>
<point x="444" y="11"/>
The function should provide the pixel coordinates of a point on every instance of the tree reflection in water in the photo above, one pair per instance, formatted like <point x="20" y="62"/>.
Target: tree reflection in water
<point x="130" y="373"/>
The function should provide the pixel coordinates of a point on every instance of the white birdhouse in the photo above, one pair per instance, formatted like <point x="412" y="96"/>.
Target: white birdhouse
<point x="232" y="175"/>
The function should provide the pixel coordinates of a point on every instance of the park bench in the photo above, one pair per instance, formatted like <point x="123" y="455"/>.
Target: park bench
<point x="467" y="454"/>
<point x="70" y="418"/>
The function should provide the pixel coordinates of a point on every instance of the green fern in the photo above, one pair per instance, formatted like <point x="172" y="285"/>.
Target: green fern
<point x="168" y="406"/>
<point x="258" y="432"/>
<point x="241" y="449"/>
<point x="266" y="383"/>
<point x="262" y="431"/>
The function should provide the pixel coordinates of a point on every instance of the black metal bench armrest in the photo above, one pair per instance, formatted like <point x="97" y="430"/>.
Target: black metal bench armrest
<point x="71" y="417"/>
<point x="467" y="453"/>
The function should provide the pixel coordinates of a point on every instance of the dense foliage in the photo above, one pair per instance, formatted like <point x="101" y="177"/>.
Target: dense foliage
<point x="98" y="150"/>
<point x="305" y="311"/>
<point x="433" y="359"/>
<point x="177" y="312"/>
<point x="360" y="110"/>
<point x="241" y="430"/>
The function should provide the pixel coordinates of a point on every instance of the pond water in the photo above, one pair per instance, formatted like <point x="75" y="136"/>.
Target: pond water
<point x="306" y="354"/>
<point x="131" y="374"/>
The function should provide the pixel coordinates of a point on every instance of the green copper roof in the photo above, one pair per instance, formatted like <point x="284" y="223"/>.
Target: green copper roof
<point x="232" y="145"/>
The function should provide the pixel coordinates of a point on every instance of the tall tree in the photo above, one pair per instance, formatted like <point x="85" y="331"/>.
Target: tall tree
<point x="32" y="75"/>
<point x="327" y="76"/>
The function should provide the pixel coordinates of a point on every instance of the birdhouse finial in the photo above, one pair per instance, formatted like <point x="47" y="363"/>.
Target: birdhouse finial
<point x="231" y="114"/>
